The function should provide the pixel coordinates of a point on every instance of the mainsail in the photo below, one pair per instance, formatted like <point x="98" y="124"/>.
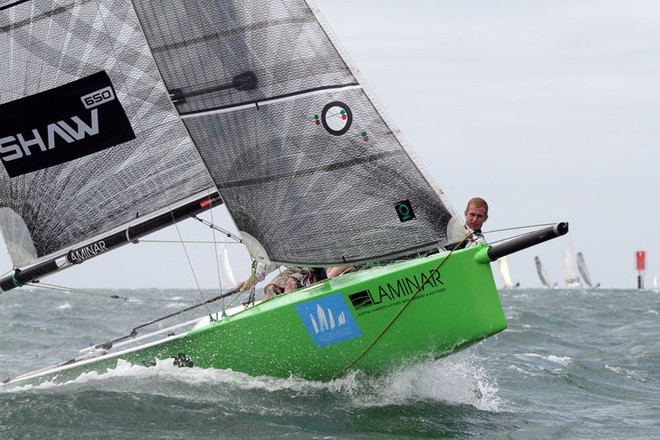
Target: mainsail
<point x="115" y="109"/>
<point x="584" y="271"/>
<point x="310" y="168"/>
<point x="505" y="273"/>
<point x="543" y="276"/>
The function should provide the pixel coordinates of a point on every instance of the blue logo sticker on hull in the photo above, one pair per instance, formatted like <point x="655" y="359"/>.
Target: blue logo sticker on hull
<point x="328" y="320"/>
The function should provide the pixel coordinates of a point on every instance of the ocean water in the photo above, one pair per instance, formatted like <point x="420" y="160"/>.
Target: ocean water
<point x="573" y="364"/>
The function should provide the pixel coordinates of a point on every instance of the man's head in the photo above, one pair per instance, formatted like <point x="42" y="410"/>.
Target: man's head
<point x="476" y="213"/>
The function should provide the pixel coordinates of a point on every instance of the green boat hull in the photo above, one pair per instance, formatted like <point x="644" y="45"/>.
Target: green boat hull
<point x="372" y="320"/>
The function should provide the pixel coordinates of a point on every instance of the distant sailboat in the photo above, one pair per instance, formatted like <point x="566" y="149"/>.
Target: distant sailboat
<point x="543" y="276"/>
<point x="584" y="271"/>
<point x="506" y="274"/>
<point x="572" y="281"/>
<point x="224" y="268"/>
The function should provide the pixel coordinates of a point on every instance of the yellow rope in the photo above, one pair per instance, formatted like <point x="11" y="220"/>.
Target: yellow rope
<point x="380" y="335"/>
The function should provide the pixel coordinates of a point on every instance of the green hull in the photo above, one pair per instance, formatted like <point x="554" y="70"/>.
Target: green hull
<point x="362" y="320"/>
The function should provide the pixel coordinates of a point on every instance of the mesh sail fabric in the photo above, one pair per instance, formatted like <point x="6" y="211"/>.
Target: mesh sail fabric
<point x="311" y="172"/>
<point x="309" y="197"/>
<point x="46" y="45"/>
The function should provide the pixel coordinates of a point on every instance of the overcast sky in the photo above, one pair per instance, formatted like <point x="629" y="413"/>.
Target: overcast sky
<point x="550" y="110"/>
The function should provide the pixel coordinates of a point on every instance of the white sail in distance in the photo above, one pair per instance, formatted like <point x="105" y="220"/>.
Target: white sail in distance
<point x="505" y="272"/>
<point x="570" y="277"/>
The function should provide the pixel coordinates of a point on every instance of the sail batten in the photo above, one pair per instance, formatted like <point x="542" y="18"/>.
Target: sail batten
<point x="310" y="171"/>
<point x="271" y="100"/>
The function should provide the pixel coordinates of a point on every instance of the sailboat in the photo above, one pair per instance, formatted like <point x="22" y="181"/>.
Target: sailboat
<point x="540" y="270"/>
<point x="506" y="274"/>
<point x="584" y="270"/>
<point x="122" y="118"/>
<point x="224" y="266"/>
<point x="571" y="280"/>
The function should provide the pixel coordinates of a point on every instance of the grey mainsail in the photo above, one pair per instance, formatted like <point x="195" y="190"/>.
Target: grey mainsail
<point x="252" y="98"/>
<point x="584" y="271"/>
<point x="543" y="276"/>
<point x="311" y="171"/>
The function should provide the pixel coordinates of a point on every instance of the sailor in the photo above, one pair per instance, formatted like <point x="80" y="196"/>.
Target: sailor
<point x="476" y="214"/>
<point x="291" y="278"/>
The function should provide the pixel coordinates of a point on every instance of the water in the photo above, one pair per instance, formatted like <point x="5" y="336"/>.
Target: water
<point x="573" y="364"/>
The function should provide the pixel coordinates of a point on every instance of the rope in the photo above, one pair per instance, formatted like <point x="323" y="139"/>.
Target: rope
<point x="380" y="335"/>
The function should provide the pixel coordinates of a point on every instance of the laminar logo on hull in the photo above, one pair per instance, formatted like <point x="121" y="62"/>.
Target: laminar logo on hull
<point x="62" y="124"/>
<point x="328" y="320"/>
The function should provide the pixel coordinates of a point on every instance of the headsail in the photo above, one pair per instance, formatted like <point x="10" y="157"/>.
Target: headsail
<point x="89" y="135"/>
<point x="584" y="271"/>
<point x="543" y="276"/>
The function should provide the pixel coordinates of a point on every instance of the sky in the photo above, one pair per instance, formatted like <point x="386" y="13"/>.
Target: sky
<point x="550" y="110"/>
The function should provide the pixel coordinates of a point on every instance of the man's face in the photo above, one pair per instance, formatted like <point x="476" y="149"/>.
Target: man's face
<point x="475" y="217"/>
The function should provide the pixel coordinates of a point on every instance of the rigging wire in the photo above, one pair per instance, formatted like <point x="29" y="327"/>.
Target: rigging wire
<point x="210" y="224"/>
<point x="514" y="228"/>
<point x="189" y="241"/>
<point x="68" y="341"/>
<point x="101" y="294"/>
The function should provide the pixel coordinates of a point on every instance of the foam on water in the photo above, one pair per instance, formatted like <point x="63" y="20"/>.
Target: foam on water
<point x="570" y="365"/>
<point x="457" y="380"/>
